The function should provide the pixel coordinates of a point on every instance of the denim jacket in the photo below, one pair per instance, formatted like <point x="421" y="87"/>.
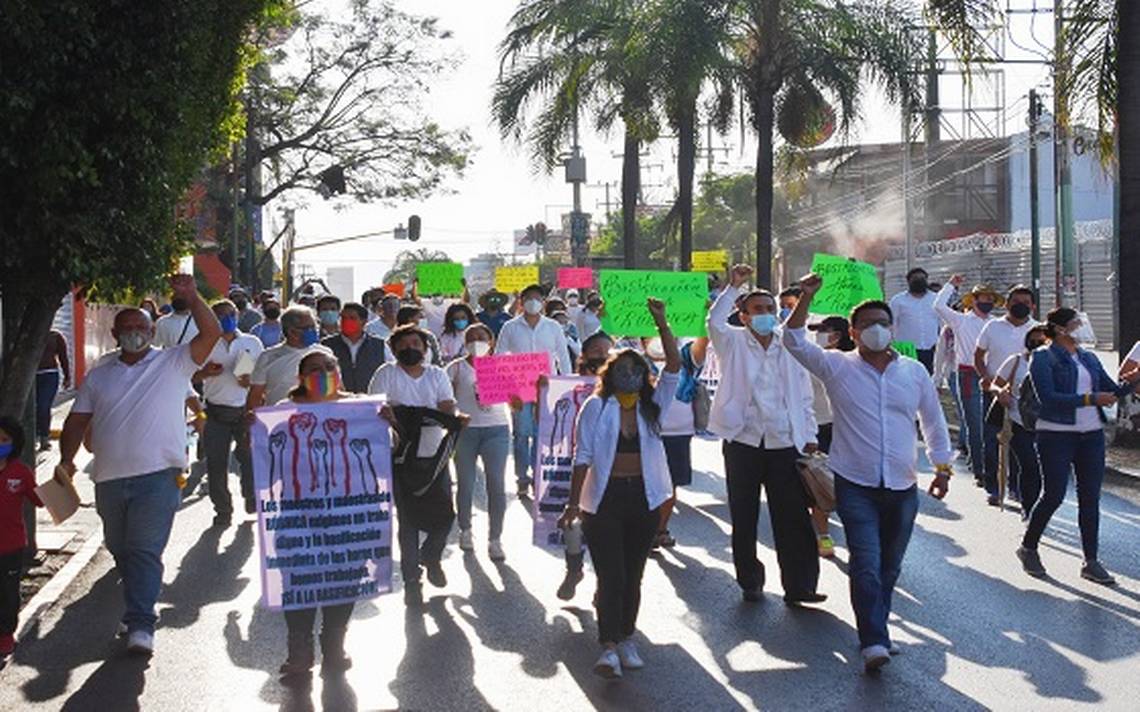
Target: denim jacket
<point x="1055" y="378"/>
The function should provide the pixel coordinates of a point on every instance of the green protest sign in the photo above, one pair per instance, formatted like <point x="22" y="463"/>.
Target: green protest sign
<point x="905" y="348"/>
<point x="846" y="282"/>
<point x="686" y="297"/>
<point x="444" y="278"/>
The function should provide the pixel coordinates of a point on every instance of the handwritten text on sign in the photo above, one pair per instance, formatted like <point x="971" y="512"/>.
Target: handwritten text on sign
<point x="558" y="405"/>
<point x="845" y="284"/>
<point x="575" y="278"/>
<point x="323" y="482"/>
<point x="685" y="294"/>
<point x="710" y="261"/>
<point x="515" y="279"/>
<point x="499" y="377"/>
<point x="444" y="278"/>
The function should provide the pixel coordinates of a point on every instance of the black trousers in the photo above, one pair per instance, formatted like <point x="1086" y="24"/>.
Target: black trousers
<point x="333" y="618"/>
<point x="619" y="536"/>
<point x="10" y="569"/>
<point x="747" y="469"/>
<point x="926" y="358"/>
<point x="225" y="426"/>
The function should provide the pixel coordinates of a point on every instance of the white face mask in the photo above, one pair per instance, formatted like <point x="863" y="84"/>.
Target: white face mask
<point x="133" y="342"/>
<point x="479" y="348"/>
<point x="532" y="306"/>
<point x="572" y="300"/>
<point x="875" y="337"/>
<point x="823" y="338"/>
<point x="423" y="324"/>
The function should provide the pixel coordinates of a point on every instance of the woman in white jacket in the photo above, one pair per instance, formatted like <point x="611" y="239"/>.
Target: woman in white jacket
<point x="621" y="479"/>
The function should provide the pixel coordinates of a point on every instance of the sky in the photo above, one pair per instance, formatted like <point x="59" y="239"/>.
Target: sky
<point x="501" y="192"/>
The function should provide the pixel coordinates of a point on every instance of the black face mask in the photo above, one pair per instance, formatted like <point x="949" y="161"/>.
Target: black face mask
<point x="593" y="364"/>
<point x="1019" y="310"/>
<point x="409" y="356"/>
<point x="272" y="313"/>
<point x="917" y="286"/>
<point x="179" y="304"/>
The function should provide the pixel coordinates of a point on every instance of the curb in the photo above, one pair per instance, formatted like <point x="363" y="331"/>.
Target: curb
<point x="1124" y="474"/>
<point x="47" y="596"/>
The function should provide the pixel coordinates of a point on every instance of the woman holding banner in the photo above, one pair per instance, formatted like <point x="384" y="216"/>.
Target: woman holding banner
<point x="620" y="480"/>
<point x="487" y="436"/>
<point x="319" y="382"/>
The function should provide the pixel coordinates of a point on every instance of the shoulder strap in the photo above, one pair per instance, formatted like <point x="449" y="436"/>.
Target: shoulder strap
<point x="184" y="328"/>
<point x="1013" y="371"/>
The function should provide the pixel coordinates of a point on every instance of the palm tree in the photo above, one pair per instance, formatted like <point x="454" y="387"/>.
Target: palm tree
<point x="787" y="50"/>
<point x="574" y="53"/>
<point x="404" y="270"/>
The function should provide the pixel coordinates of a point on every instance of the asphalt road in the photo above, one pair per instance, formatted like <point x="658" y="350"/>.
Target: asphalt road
<point x="976" y="632"/>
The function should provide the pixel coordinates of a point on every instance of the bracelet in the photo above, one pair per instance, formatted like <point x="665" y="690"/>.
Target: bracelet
<point x="943" y="471"/>
<point x="200" y="415"/>
<point x="1087" y="399"/>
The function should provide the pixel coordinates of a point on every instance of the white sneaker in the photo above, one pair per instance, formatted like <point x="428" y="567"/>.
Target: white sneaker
<point x="608" y="665"/>
<point x="466" y="540"/>
<point x="875" y="657"/>
<point x="495" y="550"/>
<point x="140" y="643"/>
<point x="630" y="658"/>
<point x="121" y="631"/>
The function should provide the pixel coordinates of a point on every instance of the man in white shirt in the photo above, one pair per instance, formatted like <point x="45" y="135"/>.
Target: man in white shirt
<point x="1000" y="339"/>
<point x="177" y="327"/>
<point x="763" y="409"/>
<point x="875" y="396"/>
<point x="385" y="308"/>
<point x="915" y="320"/>
<point x="531" y="332"/>
<point x="225" y="393"/>
<point x="135" y="407"/>
<point x="275" y="372"/>
<point x="967" y="327"/>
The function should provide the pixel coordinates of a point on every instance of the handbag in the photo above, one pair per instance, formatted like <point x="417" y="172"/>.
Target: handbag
<point x="1028" y="404"/>
<point x="995" y="416"/>
<point x="819" y="481"/>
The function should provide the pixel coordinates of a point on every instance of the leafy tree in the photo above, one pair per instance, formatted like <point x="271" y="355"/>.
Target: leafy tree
<point x="110" y="109"/>
<point x="404" y="270"/>
<point x="344" y="93"/>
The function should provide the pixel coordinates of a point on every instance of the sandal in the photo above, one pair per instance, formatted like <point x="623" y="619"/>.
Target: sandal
<point x="664" y="539"/>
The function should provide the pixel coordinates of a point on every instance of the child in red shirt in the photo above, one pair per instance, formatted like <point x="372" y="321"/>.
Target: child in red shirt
<point x="17" y="482"/>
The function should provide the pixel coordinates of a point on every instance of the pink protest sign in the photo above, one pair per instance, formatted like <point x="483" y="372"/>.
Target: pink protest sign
<point x="497" y="378"/>
<point x="575" y="278"/>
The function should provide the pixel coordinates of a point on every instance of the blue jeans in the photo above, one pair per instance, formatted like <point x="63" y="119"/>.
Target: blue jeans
<point x="492" y="444"/>
<point x="1061" y="453"/>
<point x="877" y="523"/>
<point x="523" y="430"/>
<point x="137" y="514"/>
<point x="970" y="391"/>
<point x="47" y="386"/>
<point x="952" y="383"/>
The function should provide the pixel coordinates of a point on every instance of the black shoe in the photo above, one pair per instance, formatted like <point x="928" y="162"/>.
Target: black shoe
<point x="223" y="520"/>
<point x="435" y="575"/>
<point x="1093" y="571"/>
<point x="752" y="595"/>
<point x="299" y="665"/>
<point x="250" y="505"/>
<point x="802" y="598"/>
<point x="569" y="584"/>
<point x="1031" y="562"/>
<point x="413" y="594"/>
<point x="979" y="482"/>
<point x="993" y="500"/>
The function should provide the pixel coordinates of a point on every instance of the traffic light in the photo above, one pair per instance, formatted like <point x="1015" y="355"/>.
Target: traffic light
<point x="530" y="234"/>
<point x="414" y="228"/>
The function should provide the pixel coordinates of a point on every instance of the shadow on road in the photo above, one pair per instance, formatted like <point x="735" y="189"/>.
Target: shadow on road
<point x="206" y="575"/>
<point x="437" y="671"/>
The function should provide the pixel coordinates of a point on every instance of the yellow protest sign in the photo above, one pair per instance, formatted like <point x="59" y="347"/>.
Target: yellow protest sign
<point x="510" y="280"/>
<point x="710" y="260"/>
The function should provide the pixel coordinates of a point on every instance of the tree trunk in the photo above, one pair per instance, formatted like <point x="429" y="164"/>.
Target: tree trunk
<point x="27" y="321"/>
<point x="686" y="166"/>
<point x="764" y="115"/>
<point x="630" y="188"/>
<point x="1128" y="162"/>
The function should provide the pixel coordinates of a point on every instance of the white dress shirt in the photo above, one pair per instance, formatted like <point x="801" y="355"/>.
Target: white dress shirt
<point x="378" y="328"/>
<point x="915" y="320"/>
<point x="598" y="427"/>
<point x="766" y="420"/>
<point x="1000" y="339"/>
<point x="174" y="330"/>
<point x="224" y="389"/>
<point x="873" y="439"/>
<point x="967" y="326"/>
<point x="517" y="337"/>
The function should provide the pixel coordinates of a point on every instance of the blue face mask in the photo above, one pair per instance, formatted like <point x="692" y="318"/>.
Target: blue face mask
<point x="310" y="337"/>
<point x="5" y="451"/>
<point x="763" y="324"/>
<point x="785" y="313"/>
<point x="229" y="324"/>
<point x="460" y="324"/>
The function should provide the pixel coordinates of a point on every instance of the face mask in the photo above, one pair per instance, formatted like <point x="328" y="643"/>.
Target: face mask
<point x="437" y="300"/>
<point x="409" y="356"/>
<point x="229" y="323"/>
<point x="323" y="384"/>
<point x="179" y="304"/>
<point x="351" y="327"/>
<point x="593" y="364"/>
<point x="875" y="337"/>
<point x="763" y="324"/>
<point x="5" y="451"/>
<point x="423" y="324"/>
<point x="134" y="342"/>
<point x="628" y="380"/>
<point x="460" y="324"/>
<point x="1019" y="310"/>
<point x="627" y="400"/>
<point x="654" y="350"/>
<point x="241" y="304"/>
<point x="572" y="300"/>
<point x="823" y="338"/>
<point x="985" y="307"/>
<point x="784" y="313"/>
<point x="310" y="337"/>
<point x="272" y="313"/>
<point x="329" y="317"/>
<point x="532" y="306"/>
<point x="479" y="348"/>
<point x="917" y="286"/>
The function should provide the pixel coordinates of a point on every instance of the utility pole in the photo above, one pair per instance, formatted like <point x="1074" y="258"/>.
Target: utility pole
<point x="933" y="134"/>
<point x="1034" y="218"/>
<point x="908" y="212"/>
<point x="575" y="167"/>
<point x="1062" y="175"/>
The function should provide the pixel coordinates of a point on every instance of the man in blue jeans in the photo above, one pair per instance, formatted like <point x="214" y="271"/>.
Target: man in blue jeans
<point x="875" y="396"/>
<point x="134" y="405"/>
